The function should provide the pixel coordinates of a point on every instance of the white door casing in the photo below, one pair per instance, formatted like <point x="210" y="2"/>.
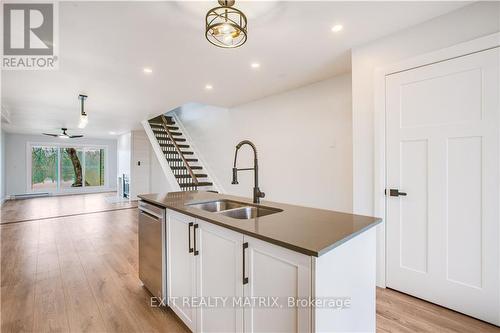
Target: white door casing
<point x="442" y="149"/>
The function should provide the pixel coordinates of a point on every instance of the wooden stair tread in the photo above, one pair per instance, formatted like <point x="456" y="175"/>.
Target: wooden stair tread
<point x="165" y="133"/>
<point x="193" y="167"/>
<point x="200" y="175"/>
<point x="159" y="127"/>
<point x="200" y="184"/>
<point x="175" y="152"/>
<point x="180" y="159"/>
<point x="157" y="120"/>
<point x="171" y="145"/>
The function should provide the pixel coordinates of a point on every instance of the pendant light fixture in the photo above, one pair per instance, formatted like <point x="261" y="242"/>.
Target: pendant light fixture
<point x="226" y="26"/>
<point x="84" y="119"/>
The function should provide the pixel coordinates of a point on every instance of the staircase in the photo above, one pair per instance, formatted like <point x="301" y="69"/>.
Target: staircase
<point x="186" y="168"/>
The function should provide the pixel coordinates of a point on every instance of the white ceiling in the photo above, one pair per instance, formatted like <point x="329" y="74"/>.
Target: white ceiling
<point x="105" y="45"/>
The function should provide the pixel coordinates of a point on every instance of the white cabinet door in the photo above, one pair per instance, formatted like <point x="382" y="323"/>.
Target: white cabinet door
<point x="219" y="267"/>
<point x="443" y="151"/>
<point x="181" y="266"/>
<point x="274" y="271"/>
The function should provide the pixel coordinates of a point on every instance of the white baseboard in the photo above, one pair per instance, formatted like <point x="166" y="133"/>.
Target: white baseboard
<point x="76" y="192"/>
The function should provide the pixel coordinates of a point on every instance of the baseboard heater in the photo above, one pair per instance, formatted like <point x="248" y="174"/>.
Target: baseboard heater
<point x="29" y="195"/>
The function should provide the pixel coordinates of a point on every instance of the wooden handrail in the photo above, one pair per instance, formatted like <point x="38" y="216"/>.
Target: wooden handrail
<point x="164" y="123"/>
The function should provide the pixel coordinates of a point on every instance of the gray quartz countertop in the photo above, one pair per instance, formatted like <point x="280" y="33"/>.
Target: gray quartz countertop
<point x="310" y="231"/>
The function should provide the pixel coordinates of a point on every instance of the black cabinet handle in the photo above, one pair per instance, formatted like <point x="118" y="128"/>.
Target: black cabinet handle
<point x="190" y="249"/>
<point x="394" y="192"/>
<point x="245" y="279"/>
<point x="196" y="252"/>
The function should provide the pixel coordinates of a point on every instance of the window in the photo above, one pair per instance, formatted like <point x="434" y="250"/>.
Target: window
<point x="94" y="167"/>
<point x="44" y="170"/>
<point x="66" y="168"/>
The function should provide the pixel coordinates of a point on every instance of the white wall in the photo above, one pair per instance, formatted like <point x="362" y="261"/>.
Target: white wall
<point x="468" y="23"/>
<point x="124" y="146"/>
<point x="303" y="138"/>
<point x="16" y="163"/>
<point x="146" y="178"/>
<point x="140" y="167"/>
<point x="158" y="180"/>
<point x="2" y="166"/>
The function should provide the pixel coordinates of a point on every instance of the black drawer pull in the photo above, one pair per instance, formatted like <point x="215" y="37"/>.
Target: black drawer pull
<point x="190" y="249"/>
<point x="245" y="279"/>
<point x="196" y="252"/>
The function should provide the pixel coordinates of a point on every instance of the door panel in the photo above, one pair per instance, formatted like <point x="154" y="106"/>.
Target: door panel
<point x="442" y="149"/>
<point x="414" y="212"/>
<point x="219" y="265"/>
<point x="459" y="96"/>
<point x="276" y="272"/>
<point x="464" y="224"/>
<point x="181" y="270"/>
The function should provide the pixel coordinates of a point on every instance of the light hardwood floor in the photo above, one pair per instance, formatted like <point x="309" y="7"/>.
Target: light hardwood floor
<point x="56" y="206"/>
<point x="76" y="274"/>
<point x="79" y="274"/>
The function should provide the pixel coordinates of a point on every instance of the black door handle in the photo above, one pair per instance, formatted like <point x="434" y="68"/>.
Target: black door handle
<point x="394" y="192"/>
<point x="196" y="252"/>
<point x="245" y="279"/>
<point x="190" y="249"/>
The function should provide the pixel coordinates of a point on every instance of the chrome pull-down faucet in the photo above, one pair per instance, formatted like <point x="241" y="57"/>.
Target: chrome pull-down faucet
<point x="257" y="194"/>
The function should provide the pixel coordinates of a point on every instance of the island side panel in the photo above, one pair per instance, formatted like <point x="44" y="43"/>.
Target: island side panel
<point x="348" y="271"/>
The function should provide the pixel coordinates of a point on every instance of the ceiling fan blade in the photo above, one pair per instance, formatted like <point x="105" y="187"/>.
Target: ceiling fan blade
<point x="75" y="136"/>
<point x="54" y="135"/>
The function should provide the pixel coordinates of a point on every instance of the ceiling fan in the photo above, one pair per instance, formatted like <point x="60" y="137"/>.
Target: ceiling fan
<point x="64" y="135"/>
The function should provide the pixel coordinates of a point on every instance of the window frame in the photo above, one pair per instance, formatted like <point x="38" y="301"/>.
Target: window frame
<point x="59" y="146"/>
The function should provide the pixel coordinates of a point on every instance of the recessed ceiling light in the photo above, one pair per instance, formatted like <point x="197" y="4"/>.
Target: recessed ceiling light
<point x="112" y="133"/>
<point x="255" y="65"/>
<point x="337" y="28"/>
<point x="209" y="87"/>
<point x="147" y="70"/>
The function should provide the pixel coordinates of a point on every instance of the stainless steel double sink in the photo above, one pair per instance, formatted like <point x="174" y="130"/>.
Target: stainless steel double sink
<point x="235" y="209"/>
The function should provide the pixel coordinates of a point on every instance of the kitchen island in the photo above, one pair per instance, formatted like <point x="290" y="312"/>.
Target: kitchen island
<point x="236" y="266"/>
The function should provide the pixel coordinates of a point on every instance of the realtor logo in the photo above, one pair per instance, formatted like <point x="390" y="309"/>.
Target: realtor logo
<point x="29" y="36"/>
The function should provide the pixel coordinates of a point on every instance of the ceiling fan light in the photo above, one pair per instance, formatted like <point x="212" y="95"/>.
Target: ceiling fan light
<point x="63" y="135"/>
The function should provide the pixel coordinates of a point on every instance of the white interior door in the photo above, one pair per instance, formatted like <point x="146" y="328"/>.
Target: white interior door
<point x="443" y="151"/>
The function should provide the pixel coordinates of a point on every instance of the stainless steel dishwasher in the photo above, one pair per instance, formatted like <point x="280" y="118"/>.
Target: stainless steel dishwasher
<point x="152" y="264"/>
